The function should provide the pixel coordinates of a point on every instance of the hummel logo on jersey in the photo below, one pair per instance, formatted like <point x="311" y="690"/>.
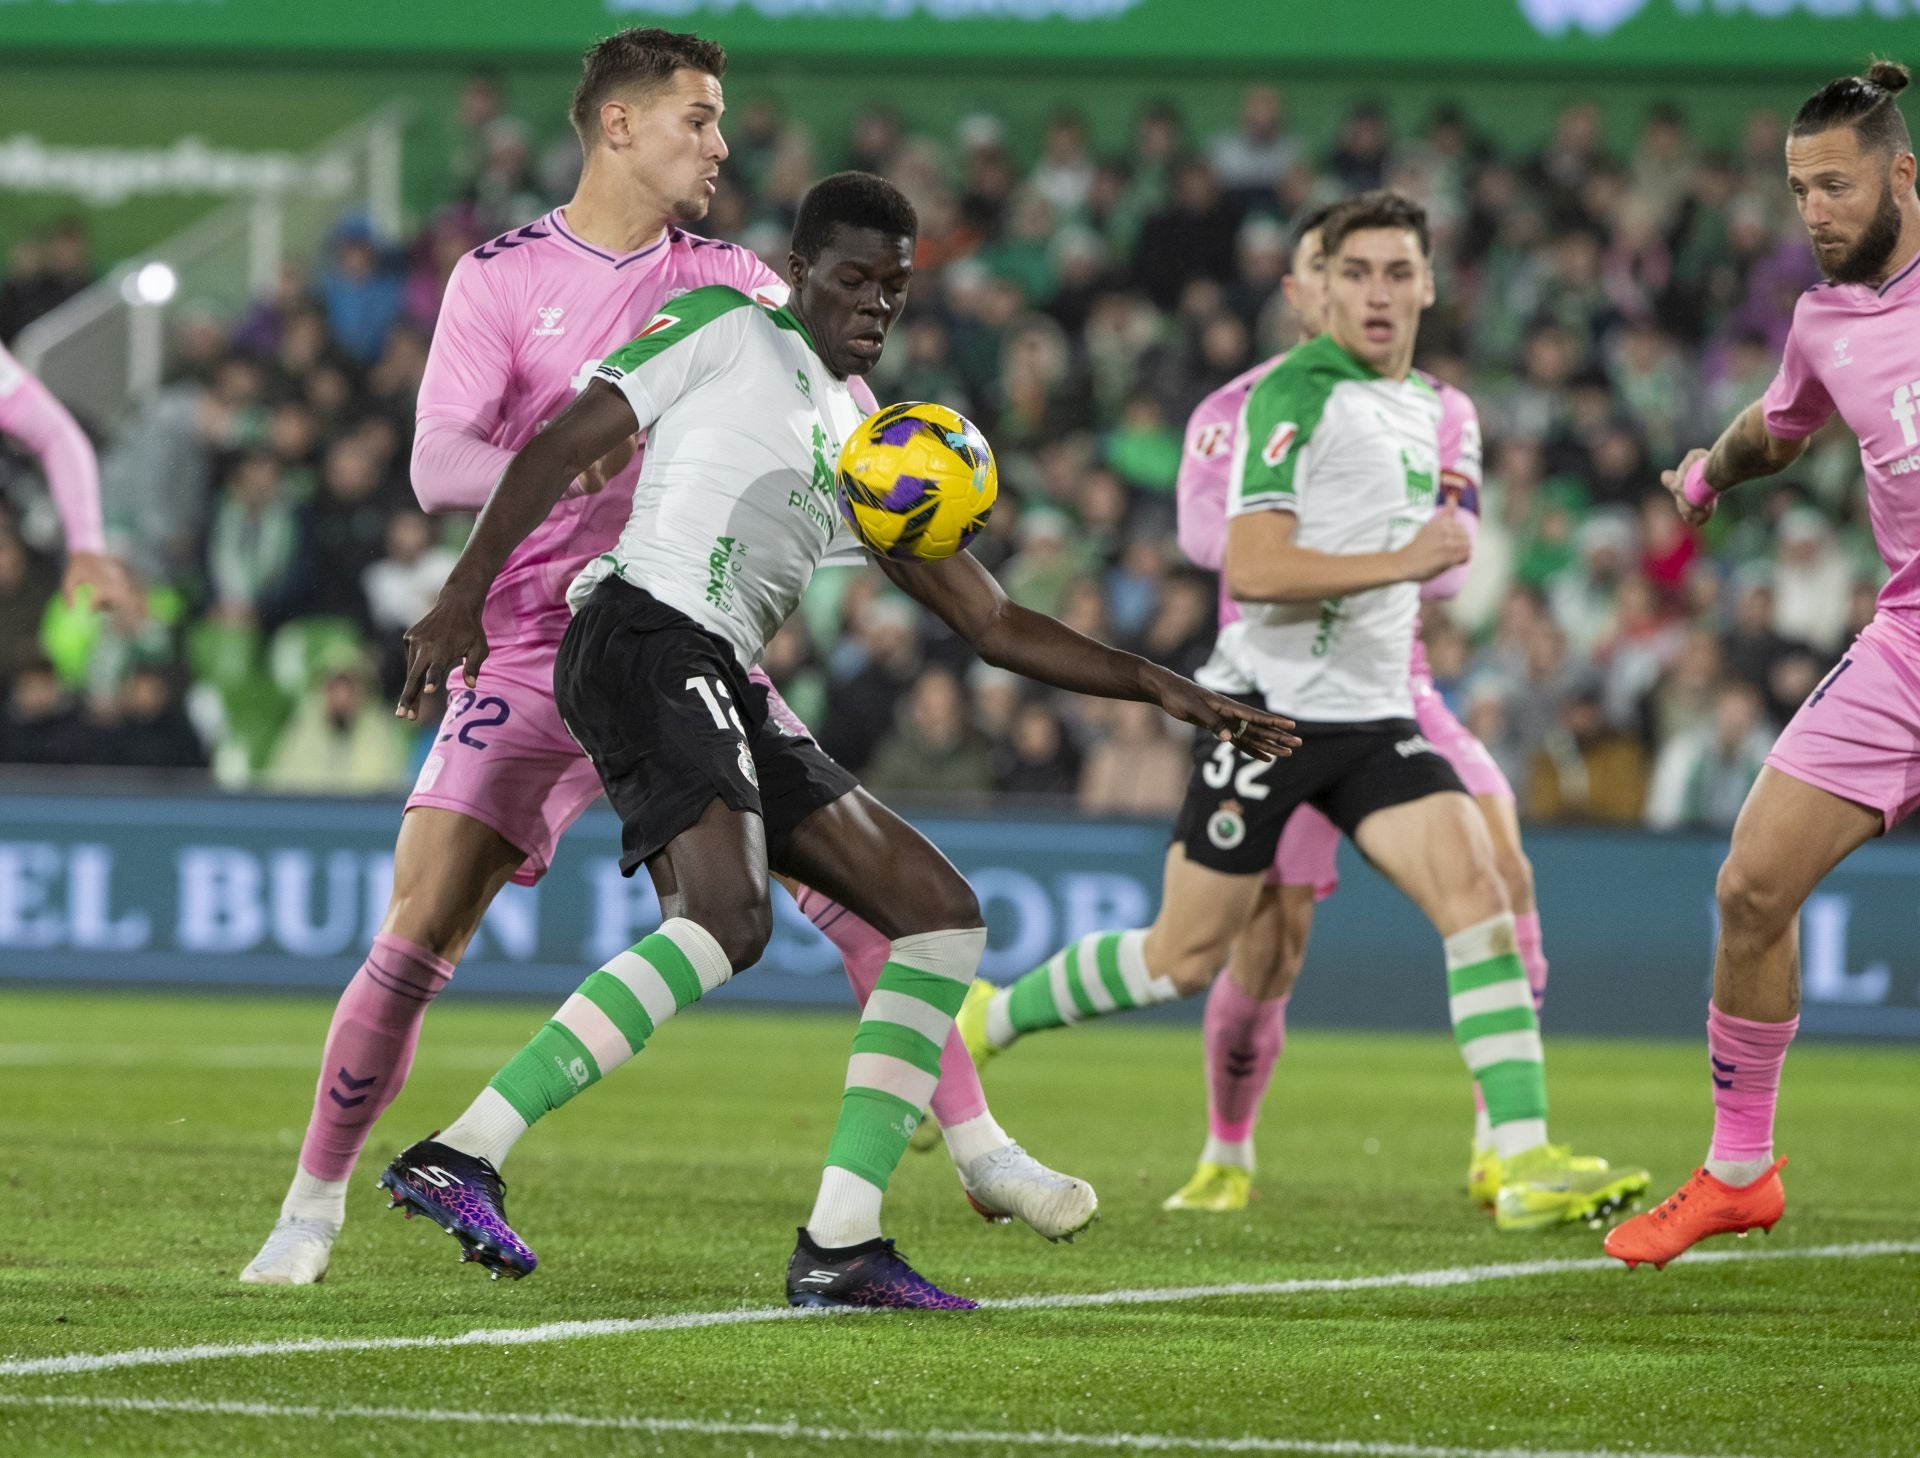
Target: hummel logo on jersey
<point x="439" y="1178"/>
<point x="659" y="322"/>
<point x="817" y="1278"/>
<point x="1840" y="355"/>
<point x="1417" y="744"/>
<point x="1279" y="443"/>
<point x="1210" y="440"/>
<point x="549" y="321"/>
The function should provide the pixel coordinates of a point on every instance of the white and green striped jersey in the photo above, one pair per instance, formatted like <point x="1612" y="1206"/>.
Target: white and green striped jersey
<point x="735" y="506"/>
<point x="1355" y="456"/>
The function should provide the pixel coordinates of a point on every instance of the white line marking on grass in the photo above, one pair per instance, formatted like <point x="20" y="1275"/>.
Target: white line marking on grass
<point x="562" y="1331"/>
<point x="234" y="1056"/>
<point x="969" y="1437"/>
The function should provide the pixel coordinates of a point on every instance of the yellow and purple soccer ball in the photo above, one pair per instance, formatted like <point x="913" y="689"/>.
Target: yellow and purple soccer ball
<point x="917" y="481"/>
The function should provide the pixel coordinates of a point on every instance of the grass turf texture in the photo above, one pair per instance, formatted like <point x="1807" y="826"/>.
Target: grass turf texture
<point x="147" y="1141"/>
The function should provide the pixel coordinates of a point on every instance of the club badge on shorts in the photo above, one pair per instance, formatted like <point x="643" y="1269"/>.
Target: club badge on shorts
<point x="747" y="767"/>
<point x="1227" y="827"/>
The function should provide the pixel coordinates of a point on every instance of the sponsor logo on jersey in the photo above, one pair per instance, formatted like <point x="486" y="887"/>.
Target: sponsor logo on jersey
<point x="1227" y="827"/>
<point x="1210" y="440"/>
<point x="1280" y="442"/>
<point x="549" y="321"/>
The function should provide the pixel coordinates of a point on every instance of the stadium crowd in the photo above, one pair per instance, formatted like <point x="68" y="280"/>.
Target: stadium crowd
<point x="1604" y="311"/>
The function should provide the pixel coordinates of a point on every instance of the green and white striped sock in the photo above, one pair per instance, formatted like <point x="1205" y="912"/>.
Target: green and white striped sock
<point x="603" y="1024"/>
<point x="1498" y="1032"/>
<point x="891" y="1077"/>
<point x="1103" y="972"/>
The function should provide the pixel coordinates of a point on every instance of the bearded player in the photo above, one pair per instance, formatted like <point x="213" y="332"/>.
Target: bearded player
<point x="1245" y="1022"/>
<point x="1847" y="767"/>
<point x="1333" y="522"/>
<point x="525" y="320"/>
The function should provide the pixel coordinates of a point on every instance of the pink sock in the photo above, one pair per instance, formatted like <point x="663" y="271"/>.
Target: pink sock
<point x="1243" y="1038"/>
<point x="369" y="1050"/>
<point x="1746" y="1058"/>
<point x="958" y="1096"/>
<point x="1526" y="932"/>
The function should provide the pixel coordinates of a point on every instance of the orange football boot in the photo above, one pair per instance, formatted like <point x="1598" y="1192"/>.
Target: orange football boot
<point x="1703" y="1206"/>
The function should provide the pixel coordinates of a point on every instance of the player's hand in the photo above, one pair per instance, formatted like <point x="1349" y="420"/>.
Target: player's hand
<point x="1676" y="483"/>
<point x="593" y="480"/>
<point x="1442" y="542"/>
<point x="450" y="636"/>
<point x="1252" y="731"/>
<point x="102" y="582"/>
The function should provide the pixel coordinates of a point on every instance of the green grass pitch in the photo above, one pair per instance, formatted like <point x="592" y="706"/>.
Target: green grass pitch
<point x="145" y="1142"/>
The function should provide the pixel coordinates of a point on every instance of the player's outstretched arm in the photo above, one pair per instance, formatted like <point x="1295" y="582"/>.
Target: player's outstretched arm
<point x="1265" y="564"/>
<point x="450" y="635"/>
<point x="1744" y="452"/>
<point x="963" y="594"/>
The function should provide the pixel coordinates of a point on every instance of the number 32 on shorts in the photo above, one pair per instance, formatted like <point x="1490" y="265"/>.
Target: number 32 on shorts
<point x="1219" y="771"/>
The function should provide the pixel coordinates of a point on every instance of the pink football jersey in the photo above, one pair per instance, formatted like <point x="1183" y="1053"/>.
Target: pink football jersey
<point x="30" y="414"/>
<point x="1855" y="348"/>
<point x="525" y="321"/>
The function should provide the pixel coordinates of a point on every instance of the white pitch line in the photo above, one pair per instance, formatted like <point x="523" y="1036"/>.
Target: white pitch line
<point x="560" y="1331"/>
<point x="969" y="1437"/>
<point x="249" y="1057"/>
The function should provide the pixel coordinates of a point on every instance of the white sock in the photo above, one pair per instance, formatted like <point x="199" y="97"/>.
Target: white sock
<point x="846" y="1212"/>
<point x="1236" y="1152"/>
<point x="489" y="1128"/>
<point x="971" y="1138"/>
<point x="1517" y="1136"/>
<point x="1000" y="1029"/>
<point x="1482" y="1129"/>
<point x="1738" y="1172"/>
<point x="312" y="1198"/>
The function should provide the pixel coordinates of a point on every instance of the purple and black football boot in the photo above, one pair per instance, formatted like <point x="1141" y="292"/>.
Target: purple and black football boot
<point x="871" y="1273"/>
<point x="465" y="1196"/>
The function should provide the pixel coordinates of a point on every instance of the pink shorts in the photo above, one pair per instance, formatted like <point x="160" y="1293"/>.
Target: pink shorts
<point x="1310" y="842"/>
<point x="1858" y="734"/>
<point x="503" y="757"/>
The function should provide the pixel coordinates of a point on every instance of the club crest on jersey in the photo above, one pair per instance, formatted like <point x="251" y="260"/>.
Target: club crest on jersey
<point x="1210" y="440"/>
<point x="1227" y="826"/>
<point x="657" y="323"/>
<point x="549" y="321"/>
<point x="1279" y="443"/>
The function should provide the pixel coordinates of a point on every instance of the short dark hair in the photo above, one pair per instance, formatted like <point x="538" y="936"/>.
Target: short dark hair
<point x="1306" y="223"/>
<point x="853" y="200"/>
<point x="1380" y="208"/>
<point x="1865" y="103"/>
<point x="643" y="59"/>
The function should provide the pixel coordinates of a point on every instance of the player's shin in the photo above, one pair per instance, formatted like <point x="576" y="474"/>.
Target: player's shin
<point x="603" y="1024"/>
<point x="1104" y="972"/>
<point x="891" y="1077"/>
<point x="1498" y="1032"/>
<point x="369" y="1050"/>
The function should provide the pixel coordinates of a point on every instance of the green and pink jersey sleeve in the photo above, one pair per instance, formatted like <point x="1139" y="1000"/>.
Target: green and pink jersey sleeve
<point x="1854" y="349"/>
<point x="30" y="414"/>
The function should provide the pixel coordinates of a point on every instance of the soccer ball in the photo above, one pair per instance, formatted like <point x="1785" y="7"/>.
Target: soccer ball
<point x="917" y="481"/>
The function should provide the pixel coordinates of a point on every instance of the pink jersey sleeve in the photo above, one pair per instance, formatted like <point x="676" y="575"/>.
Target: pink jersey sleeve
<point x="30" y="414"/>
<point x="469" y="371"/>
<point x="1206" y="462"/>
<point x="1796" y="403"/>
<point x="1459" y="480"/>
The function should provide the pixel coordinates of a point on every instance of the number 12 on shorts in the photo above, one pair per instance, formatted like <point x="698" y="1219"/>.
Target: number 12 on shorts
<point x="712" y="691"/>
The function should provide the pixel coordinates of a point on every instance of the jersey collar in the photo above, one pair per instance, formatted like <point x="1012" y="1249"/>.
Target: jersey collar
<point x="618" y="260"/>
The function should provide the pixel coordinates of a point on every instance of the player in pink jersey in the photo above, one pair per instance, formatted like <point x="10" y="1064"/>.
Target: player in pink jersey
<point x="30" y="414"/>
<point x="1847" y="768"/>
<point x="525" y="321"/>
<point x="1245" y="1022"/>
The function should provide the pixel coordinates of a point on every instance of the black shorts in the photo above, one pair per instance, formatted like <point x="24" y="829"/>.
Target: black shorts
<point x="672" y="723"/>
<point x="1237" y="806"/>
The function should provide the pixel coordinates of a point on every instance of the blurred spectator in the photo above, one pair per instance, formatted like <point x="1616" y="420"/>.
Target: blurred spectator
<point x="1064" y="175"/>
<point x="43" y="723"/>
<point x="1037" y="757"/>
<point x="1360" y="152"/>
<point x="1586" y="770"/>
<point x="932" y="750"/>
<point x="1702" y="776"/>
<point x="1192" y="237"/>
<point x="868" y="676"/>
<point x="362" y="290"/>
<point x="253" y="552"/>
<point x="1811" y="578"/>
<point x="339" y="741"/>
<point x="148" y="727"/>
<point x="1139" y="768"/>
<point x="1260" y="150"/>
<point x="43" y="273"/>
<point x="27" y="581"/>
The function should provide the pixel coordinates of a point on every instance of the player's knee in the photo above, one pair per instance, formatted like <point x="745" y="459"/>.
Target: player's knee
<point x="742" y="925"/>
<point x="1516" y="874"/>
<point x="941" y="902"/>
<point x="1749" y="900"/>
